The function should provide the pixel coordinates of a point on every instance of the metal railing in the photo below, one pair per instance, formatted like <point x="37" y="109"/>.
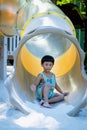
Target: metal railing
<point x="12" y="44"/>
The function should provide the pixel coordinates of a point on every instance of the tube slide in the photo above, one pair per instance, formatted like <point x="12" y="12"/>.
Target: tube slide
<point x="46" y="30"/>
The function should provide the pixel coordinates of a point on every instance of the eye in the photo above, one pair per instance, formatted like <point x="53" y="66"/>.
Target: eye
<point x="46" y="64"/>
<point x="50" y="64"/>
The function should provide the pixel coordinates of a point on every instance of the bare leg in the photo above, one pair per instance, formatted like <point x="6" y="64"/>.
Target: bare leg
<point x="56" y="98"/>
<point x="45" y="93"/>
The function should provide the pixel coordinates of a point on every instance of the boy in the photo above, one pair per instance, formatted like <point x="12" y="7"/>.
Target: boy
<point x="45" y="84"/>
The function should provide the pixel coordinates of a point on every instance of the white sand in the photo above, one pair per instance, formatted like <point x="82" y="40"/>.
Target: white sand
<point x="42" y="118"/>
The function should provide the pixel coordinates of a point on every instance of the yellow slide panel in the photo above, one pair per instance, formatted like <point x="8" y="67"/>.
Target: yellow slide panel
<point x="63" y="64"/>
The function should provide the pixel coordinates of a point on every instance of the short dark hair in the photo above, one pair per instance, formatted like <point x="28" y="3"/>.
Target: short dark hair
<point x="47" y="58"/>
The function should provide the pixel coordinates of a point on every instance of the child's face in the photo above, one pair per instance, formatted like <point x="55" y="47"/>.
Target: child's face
<point x="47" y="66"/>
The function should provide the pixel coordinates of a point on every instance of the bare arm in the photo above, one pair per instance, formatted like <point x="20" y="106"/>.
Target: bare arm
<point x="58" y="89"/>
<point x="37" y="81"/>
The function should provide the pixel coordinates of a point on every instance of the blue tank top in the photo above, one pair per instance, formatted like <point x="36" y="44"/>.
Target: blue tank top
<point x="51" y="80"/>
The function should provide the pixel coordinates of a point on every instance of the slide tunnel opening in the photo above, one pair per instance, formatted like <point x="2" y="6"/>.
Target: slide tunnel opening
<point x="67" y="66"/>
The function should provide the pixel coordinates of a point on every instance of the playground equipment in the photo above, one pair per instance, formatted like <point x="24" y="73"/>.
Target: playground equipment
<point x="44" y="29"/>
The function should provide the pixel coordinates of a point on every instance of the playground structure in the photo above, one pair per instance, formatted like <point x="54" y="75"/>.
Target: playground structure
<point x="43" y="31"/>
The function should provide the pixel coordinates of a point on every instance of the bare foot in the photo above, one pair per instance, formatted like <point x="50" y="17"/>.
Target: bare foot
<point x="46" y="104"/>
<point x="41" y="102"/>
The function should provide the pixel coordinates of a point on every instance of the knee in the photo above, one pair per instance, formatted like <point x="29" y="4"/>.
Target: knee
<point x="47" y="85"/>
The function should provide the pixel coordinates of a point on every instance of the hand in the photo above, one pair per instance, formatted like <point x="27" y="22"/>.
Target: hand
<point x="65" y="93"/>
<point x="33" y="87"/>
